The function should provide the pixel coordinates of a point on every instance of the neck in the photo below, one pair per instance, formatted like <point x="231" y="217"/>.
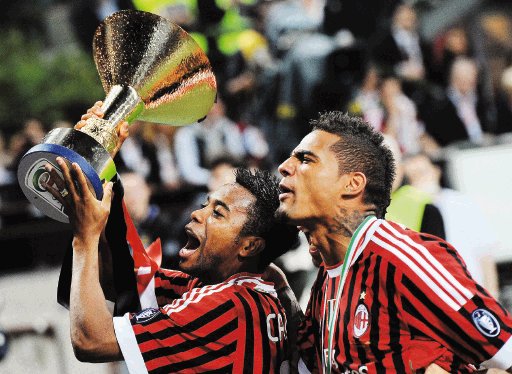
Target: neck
<point x="333" y="237"/>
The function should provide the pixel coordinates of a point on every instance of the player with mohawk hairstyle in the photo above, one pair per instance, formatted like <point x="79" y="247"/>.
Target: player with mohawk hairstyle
<point x="387" y="299"/>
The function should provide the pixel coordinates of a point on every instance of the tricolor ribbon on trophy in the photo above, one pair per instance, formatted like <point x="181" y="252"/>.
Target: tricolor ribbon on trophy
<point x="150" y="69"/>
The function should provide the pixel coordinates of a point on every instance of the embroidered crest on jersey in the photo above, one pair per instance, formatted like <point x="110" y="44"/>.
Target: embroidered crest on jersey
<point x="361" y="320"/>
<point x="486" y="323"/>
<point x="146" y="315"/>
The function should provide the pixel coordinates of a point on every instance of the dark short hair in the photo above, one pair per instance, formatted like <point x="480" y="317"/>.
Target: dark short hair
<point x="261" y="219"/>
<point x="362" y="149"/>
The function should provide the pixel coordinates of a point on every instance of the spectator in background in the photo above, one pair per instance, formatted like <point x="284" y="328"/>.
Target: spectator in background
<point x="147" y="152"/>
<point x="401" y="51"/>
<point x="384" y="106"/>
<point x="33" y="132"/>
<point x="167" y="168"/>
<point x="451" y="45"/>
<point x="409" y="205"/>
<point x="5" y="159"/>
<point x="366" y="102"/>
<point x="400" y="117"/>
<point x="464" y="222"/>
<point x="151" y="221"/>
<point x="460" y="116"/>
<point x="198" y="145"/>
<point x="504" y="103"/>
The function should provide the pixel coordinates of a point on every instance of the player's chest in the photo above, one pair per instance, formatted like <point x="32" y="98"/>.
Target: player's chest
<point x="362" y="321"/>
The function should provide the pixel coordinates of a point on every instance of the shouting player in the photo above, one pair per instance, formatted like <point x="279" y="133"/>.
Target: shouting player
<point x="219" y="317"/>
<point x="387" y="299"/>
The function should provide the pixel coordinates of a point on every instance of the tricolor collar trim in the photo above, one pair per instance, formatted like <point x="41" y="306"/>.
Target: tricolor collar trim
<point x="364" y="228"/>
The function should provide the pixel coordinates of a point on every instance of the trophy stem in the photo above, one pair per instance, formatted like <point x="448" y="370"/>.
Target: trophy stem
<point x="120" y="103"/>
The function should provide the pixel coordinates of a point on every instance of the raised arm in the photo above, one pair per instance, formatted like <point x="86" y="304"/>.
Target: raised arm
<point x="92" y="329"/>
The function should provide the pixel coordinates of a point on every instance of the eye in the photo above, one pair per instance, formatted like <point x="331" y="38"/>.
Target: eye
<point x="204" y="205"/>
<point x="216" y="213"/>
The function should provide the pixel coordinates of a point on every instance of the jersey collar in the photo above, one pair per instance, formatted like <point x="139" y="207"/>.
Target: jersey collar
<point x="357" y="244"/>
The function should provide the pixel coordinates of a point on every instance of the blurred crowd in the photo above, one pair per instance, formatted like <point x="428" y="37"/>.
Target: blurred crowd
<point x="280" y="62"/>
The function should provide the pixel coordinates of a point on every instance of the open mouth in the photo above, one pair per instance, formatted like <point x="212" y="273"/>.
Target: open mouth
<point x="193" y="243"/>
<point x="285" y="192"/>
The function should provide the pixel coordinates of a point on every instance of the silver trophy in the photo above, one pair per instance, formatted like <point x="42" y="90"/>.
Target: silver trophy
<point x="152" y="70"/>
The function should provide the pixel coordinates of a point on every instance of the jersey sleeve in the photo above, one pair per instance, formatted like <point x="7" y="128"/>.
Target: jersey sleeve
<point x="441" y="301"/>
<point x="197" y="332"/>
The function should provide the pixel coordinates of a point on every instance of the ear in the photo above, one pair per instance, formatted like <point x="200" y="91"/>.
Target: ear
<point x="251" y="246"/>
<point x="354" y="184"/>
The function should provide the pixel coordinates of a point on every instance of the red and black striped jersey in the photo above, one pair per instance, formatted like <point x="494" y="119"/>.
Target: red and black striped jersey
<point x="408" y="301"/>
<point x="234" y="326"/>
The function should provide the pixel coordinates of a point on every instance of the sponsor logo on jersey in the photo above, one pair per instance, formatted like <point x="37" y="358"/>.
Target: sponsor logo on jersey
<point x="486" y="323"/>
<point x="146" y="315"/>
<point x="361" y="320"/>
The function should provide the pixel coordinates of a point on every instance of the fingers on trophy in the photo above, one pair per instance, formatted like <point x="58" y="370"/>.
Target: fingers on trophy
<point x="150" y="69"/>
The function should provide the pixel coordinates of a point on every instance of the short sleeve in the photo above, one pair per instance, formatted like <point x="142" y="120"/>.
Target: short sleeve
<point x="191" y="334"/>
<point x="441" y="301"/>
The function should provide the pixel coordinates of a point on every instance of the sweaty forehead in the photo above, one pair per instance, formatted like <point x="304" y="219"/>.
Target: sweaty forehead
<point x="236" y="197"/>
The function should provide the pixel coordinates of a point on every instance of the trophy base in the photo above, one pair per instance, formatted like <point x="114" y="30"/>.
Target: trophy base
<point x="73" y="146"/>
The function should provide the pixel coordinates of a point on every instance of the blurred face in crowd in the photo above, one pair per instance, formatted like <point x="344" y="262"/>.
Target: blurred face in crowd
<point x="389" y="91"/>
<point x="217" y="111"/>
<point x="371" y="80"/>
<point x="34" y="130"/>
<point x="457" y="41"/>
<point x="311" y="181"/>
<point x="220" y="175"/>
<point x="464" y="76"/>
<point x="214" y="242"/>
<point x="405" y="18"/>
<point x="423" y="174"/>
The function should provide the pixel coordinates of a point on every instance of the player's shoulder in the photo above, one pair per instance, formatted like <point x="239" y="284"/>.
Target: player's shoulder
<point x="251" y="284"/>
<point x="202" y="299"/>
<point x="397" y="244"/>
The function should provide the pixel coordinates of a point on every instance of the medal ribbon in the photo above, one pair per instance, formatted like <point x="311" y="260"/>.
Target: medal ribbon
<point x="350" y="257"/>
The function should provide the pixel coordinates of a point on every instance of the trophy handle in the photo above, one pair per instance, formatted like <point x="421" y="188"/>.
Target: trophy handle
<point x="122" y="103"/>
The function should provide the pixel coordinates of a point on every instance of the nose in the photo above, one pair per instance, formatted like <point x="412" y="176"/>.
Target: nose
<point x="196" y="215"/>
<point x="286" y="168"/>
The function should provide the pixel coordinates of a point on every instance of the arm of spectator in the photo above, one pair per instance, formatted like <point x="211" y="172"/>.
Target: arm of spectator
<point x="187" y="158"/>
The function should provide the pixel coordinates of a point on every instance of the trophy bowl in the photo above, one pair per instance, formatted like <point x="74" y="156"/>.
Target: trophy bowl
<point x="151" y="70"/>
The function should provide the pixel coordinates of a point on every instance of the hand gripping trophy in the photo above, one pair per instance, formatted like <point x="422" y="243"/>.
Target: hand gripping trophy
<point x="151" y="69"/>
